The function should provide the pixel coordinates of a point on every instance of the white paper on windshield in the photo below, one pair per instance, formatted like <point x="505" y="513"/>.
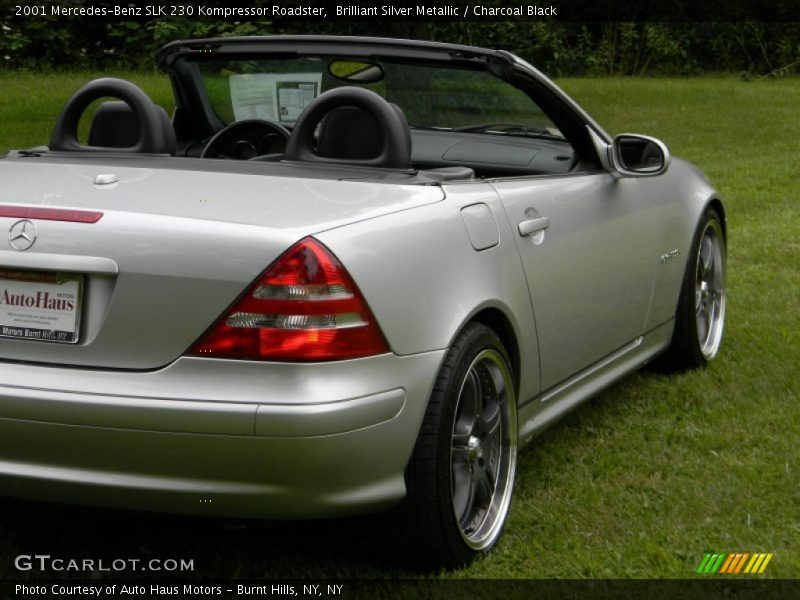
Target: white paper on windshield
<point x="253" y="96"/>
<point x="280" y="97"/>
<point x="295" y="92"/>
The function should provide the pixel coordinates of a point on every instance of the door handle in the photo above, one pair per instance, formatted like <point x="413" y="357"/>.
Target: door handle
<point x="530" y="226"/>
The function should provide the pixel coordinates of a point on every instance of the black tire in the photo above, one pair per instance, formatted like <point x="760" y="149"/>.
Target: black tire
<point x="460" y="477"/>
<point x="702" y="300"/>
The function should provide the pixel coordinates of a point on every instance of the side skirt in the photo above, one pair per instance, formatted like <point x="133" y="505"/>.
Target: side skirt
<point x="538" y="413"/>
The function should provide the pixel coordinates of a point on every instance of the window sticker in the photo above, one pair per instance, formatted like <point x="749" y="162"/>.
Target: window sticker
<point x="280" y="97"/>
<point x="253" y="96"/>
<point x="294" y="96"/>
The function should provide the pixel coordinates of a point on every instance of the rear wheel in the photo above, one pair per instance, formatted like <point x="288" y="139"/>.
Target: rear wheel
<point x="461" y="474"/>
<point x="700" y="317"/>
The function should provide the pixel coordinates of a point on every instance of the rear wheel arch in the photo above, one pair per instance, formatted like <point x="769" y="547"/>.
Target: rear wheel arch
<point x="459" y="479"/>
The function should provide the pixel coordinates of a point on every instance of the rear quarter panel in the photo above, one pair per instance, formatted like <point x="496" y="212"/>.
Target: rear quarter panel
<point x="424" y="281"/>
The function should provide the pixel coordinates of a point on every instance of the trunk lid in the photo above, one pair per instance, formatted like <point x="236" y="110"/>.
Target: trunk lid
<point x="173" y="249"/>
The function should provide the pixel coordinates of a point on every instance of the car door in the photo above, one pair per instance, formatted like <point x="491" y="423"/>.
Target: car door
<point x="586" y="247"/>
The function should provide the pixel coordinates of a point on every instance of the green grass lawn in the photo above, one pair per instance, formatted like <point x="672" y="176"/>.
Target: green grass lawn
<point x="641" y="481"/>
<point x="31" y="102"/>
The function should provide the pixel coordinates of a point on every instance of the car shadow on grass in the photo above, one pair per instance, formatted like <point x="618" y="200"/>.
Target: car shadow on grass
<point x="221" y="549"/>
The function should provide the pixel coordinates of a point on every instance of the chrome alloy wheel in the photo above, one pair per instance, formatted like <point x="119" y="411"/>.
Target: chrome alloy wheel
<point x="483" y="452"/>
<point x="709" y="297"/>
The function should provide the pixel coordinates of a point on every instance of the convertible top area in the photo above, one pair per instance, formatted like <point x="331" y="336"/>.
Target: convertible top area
<point x="322" y="107"/>
<point x="330" y="46"/>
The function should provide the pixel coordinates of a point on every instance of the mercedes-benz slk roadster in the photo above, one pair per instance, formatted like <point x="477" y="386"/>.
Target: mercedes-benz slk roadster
<point x="346" y="275"/>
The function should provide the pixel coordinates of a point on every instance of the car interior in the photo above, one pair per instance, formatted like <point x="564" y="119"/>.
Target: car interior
<point x="346" y="126"/>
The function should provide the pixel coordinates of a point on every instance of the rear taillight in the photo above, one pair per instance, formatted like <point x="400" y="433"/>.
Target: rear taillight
<point x="305" y="307"/>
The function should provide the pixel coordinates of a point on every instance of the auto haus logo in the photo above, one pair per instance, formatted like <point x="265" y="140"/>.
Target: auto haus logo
<point x="61" y="302"/>
<point x="735" y="563"/>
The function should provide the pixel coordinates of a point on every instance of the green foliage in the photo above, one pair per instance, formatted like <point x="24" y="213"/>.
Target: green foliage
<point x="558" y="48"/>
<point x="97" y="45"/>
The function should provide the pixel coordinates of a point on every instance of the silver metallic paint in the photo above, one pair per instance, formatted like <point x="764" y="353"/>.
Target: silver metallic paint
<point x="184" y="439"/>
<point x="589" y="278"/>
<point x="178" y="435"/>
<point x="151" y="254"/>
<point x="429" y="282"/>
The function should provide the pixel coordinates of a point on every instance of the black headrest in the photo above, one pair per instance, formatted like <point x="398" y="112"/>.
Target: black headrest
<point x="115" y="125"/>
<point x="352" y="133"/>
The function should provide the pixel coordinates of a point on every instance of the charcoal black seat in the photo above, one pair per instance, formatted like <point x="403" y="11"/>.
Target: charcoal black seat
<point x="115" y="125"/>
<point x="147" y="129"/>
<point x="350" y="132"/>
<point x="383" y="141"/>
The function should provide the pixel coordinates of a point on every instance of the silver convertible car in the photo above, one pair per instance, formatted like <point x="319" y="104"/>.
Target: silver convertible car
<point x="346" y="275"/>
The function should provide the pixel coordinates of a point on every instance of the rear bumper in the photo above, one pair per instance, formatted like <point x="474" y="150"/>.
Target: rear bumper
<point x="204" y="436"/>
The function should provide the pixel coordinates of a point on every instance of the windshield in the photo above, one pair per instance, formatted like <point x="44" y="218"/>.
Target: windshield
<point x="431" y="96"/>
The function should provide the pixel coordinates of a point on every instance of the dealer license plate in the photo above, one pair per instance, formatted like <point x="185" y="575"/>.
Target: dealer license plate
<point x="40" y="305"/>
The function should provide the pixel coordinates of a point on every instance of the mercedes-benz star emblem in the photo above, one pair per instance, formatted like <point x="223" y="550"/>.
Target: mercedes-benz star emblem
<point x="22" y="235"/>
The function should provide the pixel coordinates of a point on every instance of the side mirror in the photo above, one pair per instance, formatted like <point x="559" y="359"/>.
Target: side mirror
<point x="635" y="155"/>
<point x="632" y="155"/>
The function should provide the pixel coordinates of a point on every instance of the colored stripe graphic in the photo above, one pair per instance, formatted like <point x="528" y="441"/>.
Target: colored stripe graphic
<point x="764" y="564"/>
<point x="752" y="562"/>
<point x="718" y="563"/>
<point x="701" y="568"/>
<point x="733" y="564"/>
<point x="740" y="564"/>
<point x="727" y="563"/>
<point x="755" y="562"/>
<point x="710" y="563"/>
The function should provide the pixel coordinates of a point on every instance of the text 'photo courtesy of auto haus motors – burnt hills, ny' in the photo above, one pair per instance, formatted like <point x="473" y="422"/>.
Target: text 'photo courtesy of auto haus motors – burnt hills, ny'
<point x="431" y="280"/>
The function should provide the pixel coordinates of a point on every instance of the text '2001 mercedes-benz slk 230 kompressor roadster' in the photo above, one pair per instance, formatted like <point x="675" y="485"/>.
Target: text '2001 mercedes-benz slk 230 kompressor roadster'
<point x="346" y="275"/>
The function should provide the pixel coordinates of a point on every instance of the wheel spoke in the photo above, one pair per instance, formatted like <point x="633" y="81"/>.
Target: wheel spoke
<point x="491" y="417"/>
<point x="481" y="495"/>
<point x="702" y="326"/>
<point x="499" y="383"/>
<point x="463" y="489"/>
<point x="698" y="303"/>
<point x="492" y="446"/>
<point x="466" y="514"/>
<point x="468" y="406"/>
<point x="706" y="256"/>
<point x="485" y="480"/>
<point x="710" y="269"/>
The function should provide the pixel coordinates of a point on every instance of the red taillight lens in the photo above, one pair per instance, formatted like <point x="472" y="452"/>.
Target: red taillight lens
<point x="305" y="307"/>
